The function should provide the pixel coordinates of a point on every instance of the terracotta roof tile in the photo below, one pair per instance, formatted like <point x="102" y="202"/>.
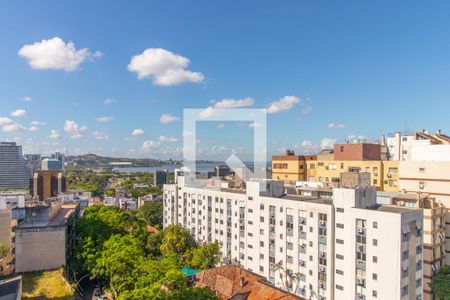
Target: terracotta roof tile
<point x="225" y="281"/>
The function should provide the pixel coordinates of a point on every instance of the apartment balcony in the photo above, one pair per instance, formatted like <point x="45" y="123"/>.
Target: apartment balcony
<point x="241" y="233"/>
<point x="360" y="297"/>
<point x="322" y="224"/>
<point x="290" y="232"/>
<point x="271" y="253"/>
<point x="322" y="240"/>
<point x="302" y="249"/>
<point x="302" y="235"/>
<point x="361" y="231"/>
<point x="361" y="248"/>
<point x="272" y="221"/>
<point x="361" y="265"/>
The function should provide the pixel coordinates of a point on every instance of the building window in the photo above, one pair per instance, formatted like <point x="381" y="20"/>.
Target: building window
<point x="261" y="219"/>
<point x="375" y="224"/>
<point x="374" y="293"/>
<point x="375" y="181"/>
<point x="261" y="244"/>
<point x="340" y="209"/>
<point x="340" y="272"/>
<point x="261" y="256"/>
<point x="421" y="170"/>
<point x="374" y="276"/>
<point x="339" y="241"/>
<point x="261" y="268"/>
<point x="339" y="225"/>
<point x="339" y="256"/>
<point x="375" y="259"/>
<point x="375" y="242"/>
<point x="338" y="287"/>
<point x="249" y="258"/>
<point x="261" y="206"/>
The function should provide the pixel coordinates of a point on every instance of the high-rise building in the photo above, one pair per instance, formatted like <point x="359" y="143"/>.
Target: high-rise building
<point x="32" y="162"/>
<point x="160" y="177"/>
<point x="13" y="173"/>
<point x="47" y="184"/>
<point x="343" y="247"/>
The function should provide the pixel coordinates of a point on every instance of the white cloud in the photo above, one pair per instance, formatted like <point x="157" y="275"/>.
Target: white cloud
<point x="38" y="123"/>
<point x="54" y="135"/>
<point x="335" y="125"/>
<point x="14" y="127"/>
<point x="149" y="146"/>
<point x="234" y="103"/>
<point x="163" y="138"/>
<point x="138" y="132"/>
<point x="221" y="125"/>
<point x="104" y="119"/>
<point x="5" y="121"/>
<point x="33" y="129"/>
<point x="307" y="145"/>
<point x="27" y="99"/>
<point x="55" y="54"/>
<point x="76" y="132"/>
<point x="108" y="101"/>
<point x="164" y="67"/>
<point x="208" y="112"/>
<point x="99" y="135"/>
<point x="284" y="104"/>
<point x="19" y="113"/>
<point x="327" y="143"/>
<point x="166" y="118"/>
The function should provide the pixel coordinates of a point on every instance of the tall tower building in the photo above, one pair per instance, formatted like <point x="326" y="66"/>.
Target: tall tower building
<point x="47" y="184"/>
<point x="13" y="173"/>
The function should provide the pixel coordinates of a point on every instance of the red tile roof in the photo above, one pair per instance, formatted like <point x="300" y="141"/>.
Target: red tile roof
<point x="225" y="281"/>
<point x="151" y="229"/>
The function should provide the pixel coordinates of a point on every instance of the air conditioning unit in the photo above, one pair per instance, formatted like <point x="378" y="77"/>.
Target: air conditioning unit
<point x="359" y="281"/>
<point x="322" y="223"/>
<point x="302" y="263"/>
<point x="361" y="248"/>
<point x="322" y="254"/>
<point x="321" y="269"/>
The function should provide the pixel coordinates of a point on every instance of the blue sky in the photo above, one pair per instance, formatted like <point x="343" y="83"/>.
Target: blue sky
<point x="365" y="67"/>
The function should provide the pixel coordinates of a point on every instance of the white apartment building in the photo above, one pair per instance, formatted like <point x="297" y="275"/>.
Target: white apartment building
<point x="317" y="248"/>
<point x="11" y="199"/>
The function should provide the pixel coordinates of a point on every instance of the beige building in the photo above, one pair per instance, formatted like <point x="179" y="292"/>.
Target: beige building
<point x="44" y="236"/>
<point x="433" y="233"/>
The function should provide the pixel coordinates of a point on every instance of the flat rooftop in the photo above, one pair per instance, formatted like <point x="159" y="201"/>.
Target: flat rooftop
<point x="59" y="219"/>
<point x="394" y="209"/>
<point x="307" y="199"/>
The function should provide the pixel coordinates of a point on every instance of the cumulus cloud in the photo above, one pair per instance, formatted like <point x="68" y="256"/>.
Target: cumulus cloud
<point x="163" y="138"/>
<point x="19" y="113"/>
<point x="55" y="54"/>
<point x="75" y="131"/>
<point x="54" y="135"/>
<point x="208" y="112"/>
<point x="104" y="119"/>
<point x="234" y="103"/>
<point x="149" y="146"/>
<point x="284" y="104"/>
<point x="99" y="135"/>
<point x="108" y="101"/>
<point x="14" y="127"/>
<point x="33" y="129"/>
<point x="27" y="99"/>
<point x="166" y="118"/>
<point x="138" y="132"/>
<point x="327" y="143"/>
<point x="5" y="121"/>
<point x="335" y="125"/>
<point x="307" y="145"/>
<point x="165" y="68"/>
<point x="38" y="123"/>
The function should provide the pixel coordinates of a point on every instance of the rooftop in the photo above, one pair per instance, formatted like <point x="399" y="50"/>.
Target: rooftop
<point x="11" y="288"/>
<point x="232" y="282"/>
<point x="394" y="209"/>
<point x="57" y="219"/>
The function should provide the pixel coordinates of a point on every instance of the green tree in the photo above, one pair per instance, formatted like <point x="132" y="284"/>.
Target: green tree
<point x="153" y="213"/>
<point x="203" y="257"/>
<point x="176" y="239"/>
<point x="4" y="250"/>
<point x="440" y="283"/>
<point x="154" y="242"/>
<point x="119" y="262"/>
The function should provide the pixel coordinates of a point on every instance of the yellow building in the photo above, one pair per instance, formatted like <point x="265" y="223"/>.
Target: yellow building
<point x="390" y="175"/>
<point x="290" y="168"/>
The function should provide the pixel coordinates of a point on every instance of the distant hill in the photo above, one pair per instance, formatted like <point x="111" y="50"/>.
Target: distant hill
<point x="93" y="160"/>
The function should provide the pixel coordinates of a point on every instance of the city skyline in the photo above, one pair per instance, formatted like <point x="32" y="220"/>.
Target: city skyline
<point x="115" y="82"/>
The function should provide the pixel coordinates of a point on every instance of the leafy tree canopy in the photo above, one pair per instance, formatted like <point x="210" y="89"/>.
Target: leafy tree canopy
<point x="440" y="283"/>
